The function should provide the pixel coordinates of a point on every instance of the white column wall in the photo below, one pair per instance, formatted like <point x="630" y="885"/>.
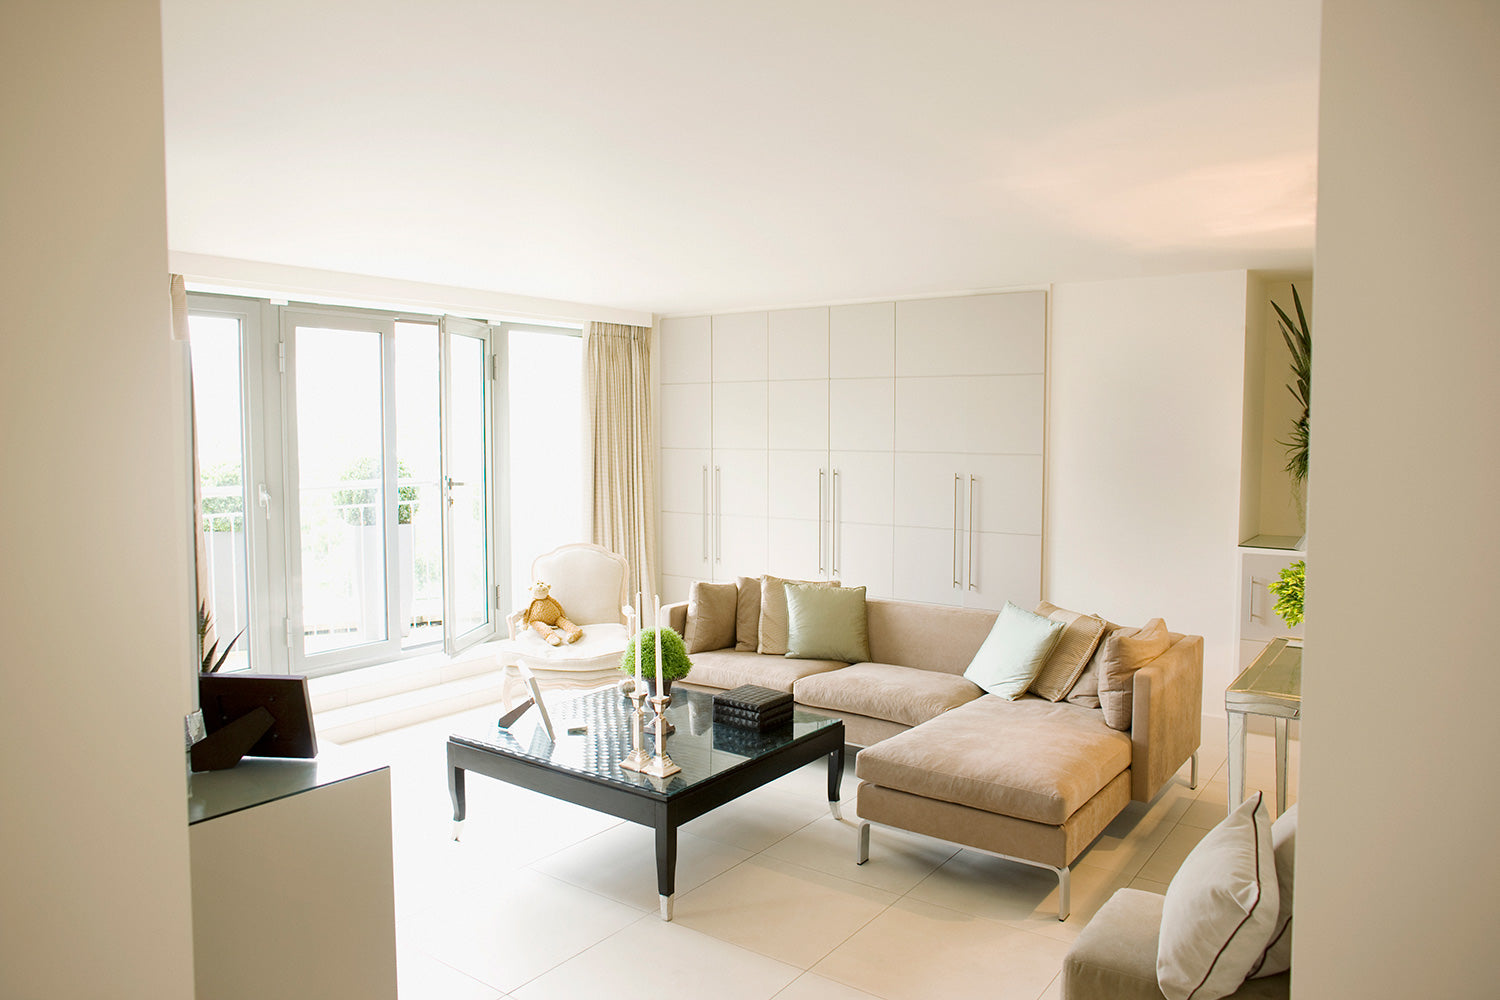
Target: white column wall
<point x="1145" y="403"/>
<point x="1397" y="872"/>
<point x="95" y="603"/>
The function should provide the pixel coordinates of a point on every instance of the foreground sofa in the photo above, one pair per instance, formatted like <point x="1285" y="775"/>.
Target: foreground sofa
<point x="1029" y="780"/>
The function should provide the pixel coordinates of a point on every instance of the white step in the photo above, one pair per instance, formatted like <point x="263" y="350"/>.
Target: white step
<point x="406" y="708"/>
<point x="383" y="680"/>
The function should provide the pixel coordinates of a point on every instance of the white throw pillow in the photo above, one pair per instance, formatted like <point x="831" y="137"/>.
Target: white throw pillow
<point x="1220" y="908"/>
<point x="1278" y="954"/>
<point x="1014" y="652"/>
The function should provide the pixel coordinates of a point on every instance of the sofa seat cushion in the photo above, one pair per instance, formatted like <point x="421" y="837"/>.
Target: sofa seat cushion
<point x="1031" y="758"/>
<point x="728" y="668"/>
<point x="886" y="691"/>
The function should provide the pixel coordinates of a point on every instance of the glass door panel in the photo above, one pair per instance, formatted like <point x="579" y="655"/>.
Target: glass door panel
<point x="342" y="483"/>
<point x="466" y="421"/>
<point x="419" y="516"/>
<point x="218" y="428"/>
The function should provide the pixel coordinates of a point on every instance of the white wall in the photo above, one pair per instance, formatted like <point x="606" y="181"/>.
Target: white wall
<point x="1397" y="870"/>
<point x="1145" y="391"/>
<point x="95" y="611"/>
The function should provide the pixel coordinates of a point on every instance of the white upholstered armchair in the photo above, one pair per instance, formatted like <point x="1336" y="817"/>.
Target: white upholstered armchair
<point x="589" y="582"/>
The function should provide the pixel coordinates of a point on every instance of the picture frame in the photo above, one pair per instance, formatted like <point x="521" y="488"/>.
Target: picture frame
<point x="536" y="696"/>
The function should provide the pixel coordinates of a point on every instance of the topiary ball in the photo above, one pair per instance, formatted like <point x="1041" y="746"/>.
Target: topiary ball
<point x="674" y="656"/>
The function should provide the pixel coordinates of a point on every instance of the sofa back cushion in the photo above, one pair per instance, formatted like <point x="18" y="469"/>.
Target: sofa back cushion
<point x="926" y="636"/>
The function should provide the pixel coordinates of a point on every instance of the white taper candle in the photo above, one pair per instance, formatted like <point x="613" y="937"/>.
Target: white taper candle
<point x="639" y="629"/>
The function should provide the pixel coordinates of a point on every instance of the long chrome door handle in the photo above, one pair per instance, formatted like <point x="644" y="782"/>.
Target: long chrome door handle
<point x="957" y="484"/>
<point x="835" y="523"/>
<point x="707" y="506"/>
<point x="971" y="535"/>
<point x="718" y="515"/>
<point x="820" y="522"/>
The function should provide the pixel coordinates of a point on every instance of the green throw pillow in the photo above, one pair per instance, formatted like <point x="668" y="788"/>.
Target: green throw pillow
<point x="827" y="623"/>
<point x="1015" y="652"/>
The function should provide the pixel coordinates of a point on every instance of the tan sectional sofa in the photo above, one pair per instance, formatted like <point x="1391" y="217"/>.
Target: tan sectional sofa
<point x="1029" y="780"/>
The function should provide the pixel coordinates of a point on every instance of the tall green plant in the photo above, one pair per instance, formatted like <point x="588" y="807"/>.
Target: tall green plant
<point x="1298" y="337"/>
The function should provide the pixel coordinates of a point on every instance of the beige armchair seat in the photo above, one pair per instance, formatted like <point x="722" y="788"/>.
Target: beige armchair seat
<point x="589" y="581"/>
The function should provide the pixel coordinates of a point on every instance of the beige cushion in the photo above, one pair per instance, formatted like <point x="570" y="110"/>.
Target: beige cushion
<point x="1031" y="759"/>
<point x="747" y="615"/>
<point x="826" y="623"/>
<point x="773" y="620"/>
<point x="710" y="616"/>
<point x="1079" y="640"/>
<point x="886" y="691"/>
<point x="1278" y="954"/>
<point x="1122" y="653"/>
<point x="1014" y="652"/>
<point x="728" y="668"/>
<point x="1220" y="908"/>
<point x="1085" y="690"/>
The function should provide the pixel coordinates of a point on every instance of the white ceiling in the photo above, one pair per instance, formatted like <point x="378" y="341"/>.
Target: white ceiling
<point x="699" y="155"/>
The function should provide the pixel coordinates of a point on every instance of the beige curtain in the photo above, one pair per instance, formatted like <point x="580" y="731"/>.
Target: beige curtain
<point x="622" y="446"/>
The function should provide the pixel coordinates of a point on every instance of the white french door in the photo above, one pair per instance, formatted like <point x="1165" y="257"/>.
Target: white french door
<point x="348" y="480"/>
<point x="468" y="563"/>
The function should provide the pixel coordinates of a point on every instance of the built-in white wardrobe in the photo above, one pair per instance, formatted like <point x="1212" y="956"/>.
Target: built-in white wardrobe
<point x="893" y="445"/>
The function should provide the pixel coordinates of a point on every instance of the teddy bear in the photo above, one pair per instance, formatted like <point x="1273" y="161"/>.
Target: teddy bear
<point x="545" y="615"/>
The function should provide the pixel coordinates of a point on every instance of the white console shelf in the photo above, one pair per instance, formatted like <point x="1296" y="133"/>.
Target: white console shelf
<point x="293" y="891"/>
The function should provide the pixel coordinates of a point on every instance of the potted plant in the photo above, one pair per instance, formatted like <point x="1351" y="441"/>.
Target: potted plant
<point x="210" y="660"/>
<point x="1298" y="337"/>
<point x="674" y="659"/>
<point x="1288" y="591"/>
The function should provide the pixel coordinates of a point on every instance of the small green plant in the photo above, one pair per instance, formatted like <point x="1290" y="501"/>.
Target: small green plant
<point x="1288" y="591"/>
<point x="674" y="656"/>
<point x="211" y="659"/>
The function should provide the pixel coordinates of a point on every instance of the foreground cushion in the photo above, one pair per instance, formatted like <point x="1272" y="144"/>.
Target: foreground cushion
<point x="1114" y="957"/>
<point x="1220" y="908"/>
<point x="1014" y="652"/>
<point x="1031" y="759"/>
<point x="826" y="623"/>
<point x="728" y="668"/>
<point x="906" y="695"/>
<point x="1278" y="954"/>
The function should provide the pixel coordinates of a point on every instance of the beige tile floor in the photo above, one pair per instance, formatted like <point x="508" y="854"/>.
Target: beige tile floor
<point x="543" y="899"/>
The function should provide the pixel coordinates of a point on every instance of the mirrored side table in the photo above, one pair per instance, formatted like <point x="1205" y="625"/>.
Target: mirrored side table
<point x="1270" y="685"/>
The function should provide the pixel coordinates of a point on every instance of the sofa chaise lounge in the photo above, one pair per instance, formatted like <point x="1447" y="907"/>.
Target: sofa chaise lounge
<point x="1029" y="780"/>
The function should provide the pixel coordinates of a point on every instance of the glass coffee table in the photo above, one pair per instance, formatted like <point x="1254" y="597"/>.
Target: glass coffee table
<point x="719" y="763"/>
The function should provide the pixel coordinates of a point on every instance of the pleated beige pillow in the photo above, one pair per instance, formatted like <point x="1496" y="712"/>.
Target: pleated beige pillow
<point x="1124" y="652"/>
<point x="747" y="615"/>
<point x="1071" y="654"/>
<point x="773" y="619"/>
<point x="1220" y="908"/>
<point x="710" y="616"/>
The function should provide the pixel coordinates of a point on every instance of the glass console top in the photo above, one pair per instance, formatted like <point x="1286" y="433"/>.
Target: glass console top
<point x="702" y="749"/>
<point x="1273" y="676"/>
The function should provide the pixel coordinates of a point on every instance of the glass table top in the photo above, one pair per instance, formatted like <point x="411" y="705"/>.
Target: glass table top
<point x="703" y="750"/>
<point x="1273" y="677"/>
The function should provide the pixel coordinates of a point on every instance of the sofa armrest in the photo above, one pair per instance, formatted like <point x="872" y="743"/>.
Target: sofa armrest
<point x="676" y="615"/>
<point x="1166" y="724"/>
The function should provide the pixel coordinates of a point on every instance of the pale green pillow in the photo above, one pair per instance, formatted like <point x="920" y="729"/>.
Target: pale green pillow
<point x="827" y="623"/>
<point x="1014" y="652"/>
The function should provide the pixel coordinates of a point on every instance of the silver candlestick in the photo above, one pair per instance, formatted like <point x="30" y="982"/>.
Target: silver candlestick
<point x="637" y="759"/>
<point x="660" y="765"/>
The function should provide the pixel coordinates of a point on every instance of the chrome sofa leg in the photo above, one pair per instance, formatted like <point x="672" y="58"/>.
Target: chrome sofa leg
<point x="862" y="843"/>
<point x="1193" y="774"/>
<point x="1064" y="892"/>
